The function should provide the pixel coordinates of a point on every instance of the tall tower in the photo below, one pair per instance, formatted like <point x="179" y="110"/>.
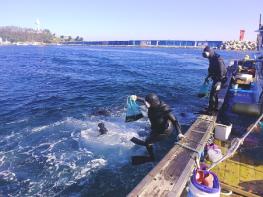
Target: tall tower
<point x="260" y="35"/>
<point x="37" y="23"/>
<point x="259" y="26"/>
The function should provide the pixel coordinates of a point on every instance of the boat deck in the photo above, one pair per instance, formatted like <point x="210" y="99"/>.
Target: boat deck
<point x="243" y="174"/>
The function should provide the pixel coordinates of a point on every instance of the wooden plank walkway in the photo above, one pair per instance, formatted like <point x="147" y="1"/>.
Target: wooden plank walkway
<point x="171" y="174"/>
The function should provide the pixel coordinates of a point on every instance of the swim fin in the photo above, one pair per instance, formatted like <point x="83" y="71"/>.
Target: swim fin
<point x="138" y="141"/>
<point x="137" y="160"/>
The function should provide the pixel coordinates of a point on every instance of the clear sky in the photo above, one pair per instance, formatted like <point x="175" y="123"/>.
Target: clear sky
<point x="137" y="19"/>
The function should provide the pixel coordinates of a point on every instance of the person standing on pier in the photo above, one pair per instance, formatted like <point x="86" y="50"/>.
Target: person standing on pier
<point x="217" y="72"/>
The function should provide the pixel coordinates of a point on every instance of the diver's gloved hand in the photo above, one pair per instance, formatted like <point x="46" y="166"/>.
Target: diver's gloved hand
<point x="218" y="86"/>
<point x="180" y="136"/>
<point x="133" y="97"/>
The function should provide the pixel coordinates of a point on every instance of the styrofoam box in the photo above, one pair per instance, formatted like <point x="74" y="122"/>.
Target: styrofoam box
<point x="222" y="132"/>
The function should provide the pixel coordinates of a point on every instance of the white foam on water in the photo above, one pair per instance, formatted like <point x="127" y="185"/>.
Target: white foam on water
<point x="2" y="158"/>
<point x="40" y="128"/>
<point x="65" y="164"/>
<point x="91" y="166"/>
<point x="115" y="146"/>
<point x="7" y="175"/>
<point x="37" y="129"/>
<point x="9" y="137"/>
<point x="17" y="121"/>
<point x="65" y="169"/>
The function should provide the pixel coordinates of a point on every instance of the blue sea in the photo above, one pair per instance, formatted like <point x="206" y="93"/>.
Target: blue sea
<point x="53" y="97"/>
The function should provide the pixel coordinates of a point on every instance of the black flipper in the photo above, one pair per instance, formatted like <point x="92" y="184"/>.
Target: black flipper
<point x="138" y="141"/>
<point x="133" y="118"/>
<point x="137" y="160"/>
<point x="149" y="148"/>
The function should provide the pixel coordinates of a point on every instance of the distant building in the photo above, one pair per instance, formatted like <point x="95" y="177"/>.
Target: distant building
<point x="145" y="43"/>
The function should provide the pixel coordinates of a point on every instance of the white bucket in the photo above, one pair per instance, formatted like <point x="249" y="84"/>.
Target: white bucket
<point x="195" y="192"/>
<point x="198" y="190"/>
<point x="222" y="132"/>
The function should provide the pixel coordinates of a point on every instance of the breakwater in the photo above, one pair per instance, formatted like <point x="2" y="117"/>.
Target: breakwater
<point x="151" y="43"/>
<point x="239" y="45"/>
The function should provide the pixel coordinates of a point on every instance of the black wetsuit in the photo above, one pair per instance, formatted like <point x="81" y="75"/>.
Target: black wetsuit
<point x="162" y="124"/>
<point x="161" y="119"/>
<point x="217" y="71"/>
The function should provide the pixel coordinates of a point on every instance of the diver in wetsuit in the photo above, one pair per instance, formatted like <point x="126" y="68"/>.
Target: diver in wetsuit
<point x="216" y="71"/>
<point x="102" y="129"/>
<point x="162" y="122"/>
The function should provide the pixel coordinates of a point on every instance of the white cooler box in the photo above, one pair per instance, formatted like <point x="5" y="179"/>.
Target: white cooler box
<point x="222" y="132"/>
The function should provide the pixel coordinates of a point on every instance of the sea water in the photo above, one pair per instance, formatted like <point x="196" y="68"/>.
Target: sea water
<point x="53" y="97"/>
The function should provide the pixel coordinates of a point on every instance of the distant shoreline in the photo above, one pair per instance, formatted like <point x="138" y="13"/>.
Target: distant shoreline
<point x="151" y="43"/>
<point x="124" y="46"/>
<point x="132" y="46"/>
<point x="227" y="45"/>
<point x="90" y="44"/>
<point x="13" y="35"/>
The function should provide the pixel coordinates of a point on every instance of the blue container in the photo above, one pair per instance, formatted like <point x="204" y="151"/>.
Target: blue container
<point x="133" y="112"/>
<point x="204" y="90"/>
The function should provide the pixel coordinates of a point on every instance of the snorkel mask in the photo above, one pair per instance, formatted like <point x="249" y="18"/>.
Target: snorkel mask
<point x="147" y="104"/>
<point x="206" y="54"/>
<point x="152" y="100"/>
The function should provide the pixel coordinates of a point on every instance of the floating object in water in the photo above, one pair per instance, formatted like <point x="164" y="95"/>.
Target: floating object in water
<point x="133" y="112"/>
